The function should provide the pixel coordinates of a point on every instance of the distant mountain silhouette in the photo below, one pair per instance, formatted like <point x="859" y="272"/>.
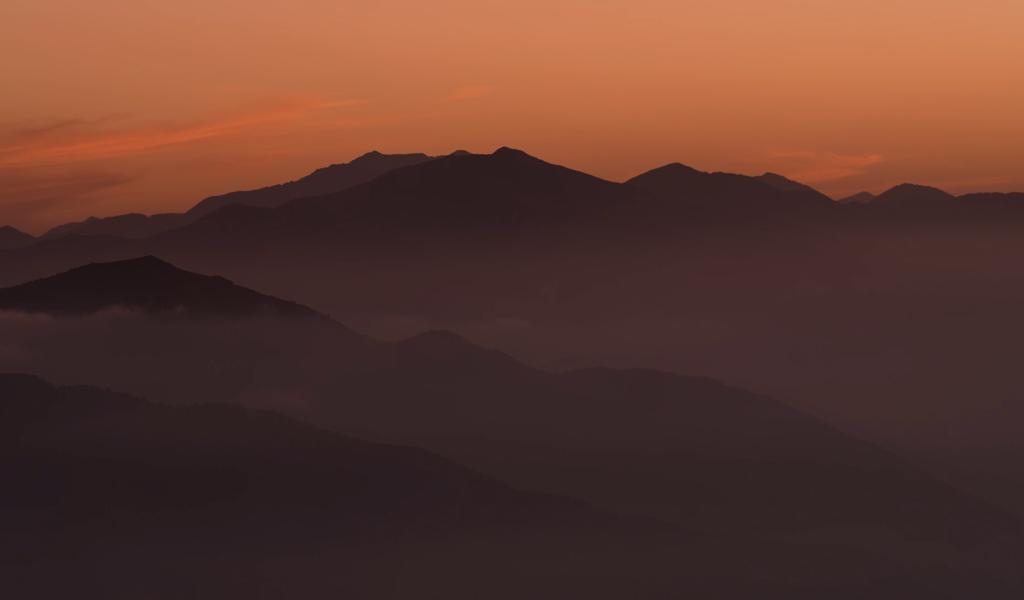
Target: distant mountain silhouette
<point x="727" y="193"/>
<point x="147" y="284"/>
<point x="507" y="193"/>
<point x="101" y="478"/>
<point x="61" y="435"/>
<point x="506" y="189"/>
<point x="684" y="449"/>
<point x="707" y="449"/>
<point x="478" y="191"/>
<point x="12" y="238"/>
<point x="899" y="324"/>
<point x="858" y="198"/>
<point x="106" y="494"/>
<point x="784" y="183"/>
<point x="327" y="180"/>
<point x="322" y="181"/>
<point x="1013" y="200"/>
<point x="133" y="226"/>
<point x="909" y="195"/>
<point x="446" y="200"/>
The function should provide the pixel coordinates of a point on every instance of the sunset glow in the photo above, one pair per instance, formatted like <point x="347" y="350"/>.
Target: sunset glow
<point x="114" y="106"/>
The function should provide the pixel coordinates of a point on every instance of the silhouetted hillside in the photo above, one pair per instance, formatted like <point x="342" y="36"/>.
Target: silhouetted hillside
<point x="706" y="450"/>
<point x="12" y="238"/>
<point x="784" y="183"/>
<point x="858" y="198"/>
<point x="94" y="479"/>
<point x="147" y="284"/>
<point x="108" y="496"/>
<point x="897" y="324"/>
<point x="707" y="457"/>
<point x="227" y="459"/>
<point x="908" y="195"/>
<point x="508" y="189"/>
<point x="684" y="188"/>
<point x="322" y="181"/>
<point x="132" y="226"/>
<point x="327" y="180"/>
<point x="689" y="450"/>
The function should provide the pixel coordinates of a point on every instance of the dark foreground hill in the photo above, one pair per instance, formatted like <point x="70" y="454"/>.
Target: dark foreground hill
<point x="146" y="284"/>
<point x="107" y="496"/>
<point x="12" y="238"/>
<point x="98" y="484"/>
<point x="683" y="450"/>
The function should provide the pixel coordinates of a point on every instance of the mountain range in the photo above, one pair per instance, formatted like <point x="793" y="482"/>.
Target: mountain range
<point x="109" y="496"/>
<point x="683" y="450"/>
<point x="322" y="181"/>
<point x="694" y="192"/>
<point x="146" y="284"/>
<point x="12" y="238"/>
<point x="109" y="487"/>
<point x="886" y="329"/>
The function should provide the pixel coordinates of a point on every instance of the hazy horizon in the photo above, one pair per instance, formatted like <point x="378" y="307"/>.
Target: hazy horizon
<point x="155" y="106"/>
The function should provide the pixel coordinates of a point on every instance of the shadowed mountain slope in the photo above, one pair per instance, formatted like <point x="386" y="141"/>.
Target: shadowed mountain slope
<point x="131" y="226"/>
<point x="322" y="181"/>
<point x="12" y="238"/>
<point x="96" y="481"/>
<point x="858" y="198"/>
<point x="108" y="495"/>
<point x="908" y="195"/>
<point x="147" y="284"/>
<point x="196" y="458"/>
<point x="685" y="192"/>
<point x="327" y="180"/>
<point x="784" y="183"/>
<point x="683" y="449"/>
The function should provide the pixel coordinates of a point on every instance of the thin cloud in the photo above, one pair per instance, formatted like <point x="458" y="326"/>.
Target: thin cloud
<point x="73" y="141"/>
<point x="32" y="199"/>
<point x="818" y="167"/>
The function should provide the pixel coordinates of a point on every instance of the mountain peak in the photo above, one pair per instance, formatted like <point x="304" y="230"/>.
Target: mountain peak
<point x="677" y="167"/>
<point x="858" y="198"/>
<point x="508" y="152"/>
<point x="326" y="180"/>
<point x="13" y="238"/>
<point x="781" y="181"/>
<point x="146" y="284"/>
<point x="916" y="187"/>
<point x="912" y="193"/>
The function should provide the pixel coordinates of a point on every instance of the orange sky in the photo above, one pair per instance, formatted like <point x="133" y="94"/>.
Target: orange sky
<point x="142" y="105"/>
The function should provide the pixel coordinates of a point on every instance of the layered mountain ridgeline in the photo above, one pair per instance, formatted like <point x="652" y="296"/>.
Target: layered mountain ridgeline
<point x="685" y="189"/>
<point x="505" y="192"/>
<point x="898" y="323"/>
<point x="414" y="203"/>
<point x="109" y="496"/>
<point x="322" y="181"/>
<point x="858" y="198"/>
<point x="925" y="202"/>
<point x="683" y="450"/>
<point x="12" y="238"/>
<point x="146" y="284"/>
<point x="102" y="488"/>
<point x="84" y="453"/>
<point x="326" y="180"/>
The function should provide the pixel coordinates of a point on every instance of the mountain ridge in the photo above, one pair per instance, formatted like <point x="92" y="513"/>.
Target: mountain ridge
<point x="451" y="391"/>
<point x="145" y="283"/>
<point x="13" y="238"/>
<point x="323" y="180"/>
